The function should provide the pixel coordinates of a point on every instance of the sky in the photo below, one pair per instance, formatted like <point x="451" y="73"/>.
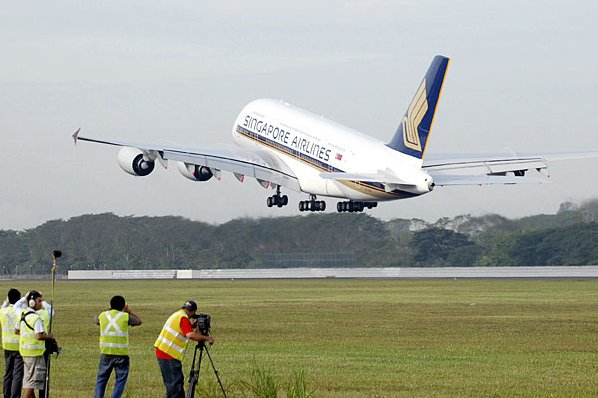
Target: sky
<point x="523" y="77"/>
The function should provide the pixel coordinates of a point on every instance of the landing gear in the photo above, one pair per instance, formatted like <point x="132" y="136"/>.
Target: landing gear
<point x="277" y="200"/>
<point x="312" y="204"/>
<point x="352" y="206"/>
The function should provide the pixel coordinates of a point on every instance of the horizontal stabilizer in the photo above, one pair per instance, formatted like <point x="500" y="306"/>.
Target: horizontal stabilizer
<point x="501" y="162"/>
<point x="447" y="179"/>
<point x="490" y="164"/>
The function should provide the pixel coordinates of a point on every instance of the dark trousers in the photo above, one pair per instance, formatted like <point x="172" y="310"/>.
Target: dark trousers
<point x="13" y="377"/>
<point x="120" y="364"/>
<point x="172" y="374"/>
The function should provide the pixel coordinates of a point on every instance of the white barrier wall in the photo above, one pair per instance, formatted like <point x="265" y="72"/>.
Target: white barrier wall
<point x="124" y="274"/>
<point x="358" y="273"/>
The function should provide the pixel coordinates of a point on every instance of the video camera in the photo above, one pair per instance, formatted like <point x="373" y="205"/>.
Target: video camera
<point x="202" y="323"/>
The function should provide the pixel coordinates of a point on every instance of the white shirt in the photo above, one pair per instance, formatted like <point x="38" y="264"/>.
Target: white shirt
<point x="39" y="325"/>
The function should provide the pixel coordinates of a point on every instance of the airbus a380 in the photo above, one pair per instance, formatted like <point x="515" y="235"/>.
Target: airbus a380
<point x="283" y="146"/>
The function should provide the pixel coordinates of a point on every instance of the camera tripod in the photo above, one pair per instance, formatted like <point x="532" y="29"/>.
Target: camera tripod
<point x="195" y="367"/>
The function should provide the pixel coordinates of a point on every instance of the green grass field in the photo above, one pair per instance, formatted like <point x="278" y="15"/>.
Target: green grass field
<point x="375" y="338"/>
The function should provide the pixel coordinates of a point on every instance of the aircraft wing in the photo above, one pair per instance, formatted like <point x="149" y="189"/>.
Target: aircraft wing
<point x="476" y="169"/>
<point x="259" y="164"/>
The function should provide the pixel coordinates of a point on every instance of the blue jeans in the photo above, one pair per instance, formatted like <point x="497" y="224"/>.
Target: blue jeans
<point x="120" y="364"/>
<point x="172" y="374"/>
<point x="13" y="376"/>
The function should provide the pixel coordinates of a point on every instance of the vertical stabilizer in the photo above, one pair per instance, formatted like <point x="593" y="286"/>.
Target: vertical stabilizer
<point x="412" y="135"/>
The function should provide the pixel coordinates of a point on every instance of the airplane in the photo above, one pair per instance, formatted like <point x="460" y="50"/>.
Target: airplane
<point x="284" y="146"/>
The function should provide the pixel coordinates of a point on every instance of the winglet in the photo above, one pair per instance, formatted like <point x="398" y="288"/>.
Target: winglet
<point x="76" y="135"/>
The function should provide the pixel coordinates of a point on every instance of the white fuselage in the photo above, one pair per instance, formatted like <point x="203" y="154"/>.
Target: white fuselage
<point x="310" y="145"/>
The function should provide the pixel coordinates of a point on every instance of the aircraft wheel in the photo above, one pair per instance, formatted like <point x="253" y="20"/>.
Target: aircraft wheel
<point x="285" y="200"/>
<point x="269" y="202"/>
<point x="322" y="206"/>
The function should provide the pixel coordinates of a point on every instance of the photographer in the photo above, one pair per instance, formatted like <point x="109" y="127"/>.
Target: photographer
<point x="171" y="344"/>
<point x="114" y="345"/>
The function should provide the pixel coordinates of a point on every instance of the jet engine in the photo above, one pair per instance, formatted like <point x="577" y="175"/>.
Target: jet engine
<point x="195" y="172"/>
<point x="135" y="161"/>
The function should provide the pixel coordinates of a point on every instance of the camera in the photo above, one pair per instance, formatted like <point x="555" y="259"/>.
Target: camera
<point x="52" y="347"/>
<point x="203" y="323"/>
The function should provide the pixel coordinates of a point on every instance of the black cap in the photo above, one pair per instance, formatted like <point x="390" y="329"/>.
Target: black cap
<point x="190" y="305"/>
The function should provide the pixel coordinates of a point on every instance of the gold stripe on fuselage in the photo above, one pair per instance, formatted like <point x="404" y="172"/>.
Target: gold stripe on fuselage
<point x="358" y="186"/>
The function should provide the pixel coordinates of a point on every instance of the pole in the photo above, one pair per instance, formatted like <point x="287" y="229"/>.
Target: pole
<point x="55" y="255"/>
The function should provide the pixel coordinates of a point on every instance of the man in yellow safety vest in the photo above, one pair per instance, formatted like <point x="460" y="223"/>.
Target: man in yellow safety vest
<point x="114" y="345"/>
<point x="170" y="348"/>
<point x="13" y="374"/>
<point x="45" y="312"/>
<point x="32" y="345"/>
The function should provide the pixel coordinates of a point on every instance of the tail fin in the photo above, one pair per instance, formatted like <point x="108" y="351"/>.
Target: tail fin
<point x="412" y="135"/>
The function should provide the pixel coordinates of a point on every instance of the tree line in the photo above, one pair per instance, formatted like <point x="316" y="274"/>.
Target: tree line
<point x="107" y="241"/>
